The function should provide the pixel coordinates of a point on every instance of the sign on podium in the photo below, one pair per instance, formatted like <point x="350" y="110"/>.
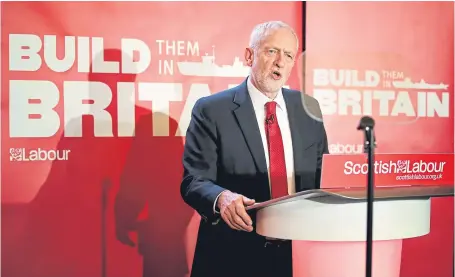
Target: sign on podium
<point x="328" y="225"/>
<point x="342" y="171"/>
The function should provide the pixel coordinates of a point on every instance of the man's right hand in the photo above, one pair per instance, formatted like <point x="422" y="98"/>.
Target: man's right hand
<point x="232" y="210"/>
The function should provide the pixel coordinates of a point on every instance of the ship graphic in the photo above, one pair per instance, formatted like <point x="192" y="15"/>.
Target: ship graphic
<point x="408" y="84"/>
<point x="208" y="68"/>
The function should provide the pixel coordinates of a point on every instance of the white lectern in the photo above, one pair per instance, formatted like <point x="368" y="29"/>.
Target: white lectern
<point x="328" y="227"/>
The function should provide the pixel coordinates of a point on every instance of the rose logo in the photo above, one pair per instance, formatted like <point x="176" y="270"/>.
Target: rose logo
<point x="15" y="154"/>
<point x="401" y="165"/>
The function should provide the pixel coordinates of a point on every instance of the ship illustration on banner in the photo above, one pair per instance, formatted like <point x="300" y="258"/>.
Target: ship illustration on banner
<point x="208" y="68"/>
<point x="408" y="84"/>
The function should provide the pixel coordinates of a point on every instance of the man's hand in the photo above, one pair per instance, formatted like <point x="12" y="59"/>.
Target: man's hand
<point x="232" y="210"/>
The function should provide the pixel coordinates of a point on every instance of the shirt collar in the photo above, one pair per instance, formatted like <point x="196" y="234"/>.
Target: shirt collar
<point x="259" y="99"/>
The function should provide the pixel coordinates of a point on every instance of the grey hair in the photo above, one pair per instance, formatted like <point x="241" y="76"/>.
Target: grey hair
<point x="261" y="31"/>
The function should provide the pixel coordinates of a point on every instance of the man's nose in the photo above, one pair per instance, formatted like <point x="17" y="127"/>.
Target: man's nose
<point x="279" y="61"/>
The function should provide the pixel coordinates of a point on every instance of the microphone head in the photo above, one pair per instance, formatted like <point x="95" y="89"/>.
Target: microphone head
<point x="365" y="122"/>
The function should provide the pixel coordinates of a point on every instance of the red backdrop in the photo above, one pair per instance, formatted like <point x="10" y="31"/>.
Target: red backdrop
<point x="52" y="210"/>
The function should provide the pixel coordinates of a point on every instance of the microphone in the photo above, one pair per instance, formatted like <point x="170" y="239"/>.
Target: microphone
<point x="365" y="122"/>
<point x="270" y="119"/>
<point x="367" y="125"/>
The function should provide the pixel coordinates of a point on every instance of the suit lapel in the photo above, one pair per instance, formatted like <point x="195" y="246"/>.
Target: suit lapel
<point x="246" y="118"/>
<point x="299" y="122"/>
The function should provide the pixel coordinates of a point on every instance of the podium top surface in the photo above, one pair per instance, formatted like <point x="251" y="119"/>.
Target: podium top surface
<point x="393" y="192"/>
<point x="352" y="195"/>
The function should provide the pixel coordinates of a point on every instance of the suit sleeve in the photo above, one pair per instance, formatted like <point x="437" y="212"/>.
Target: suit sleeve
<point x="198" y="188"/>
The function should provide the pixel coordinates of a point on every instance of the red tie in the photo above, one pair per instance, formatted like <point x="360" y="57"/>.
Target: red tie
<point x="278" y="176"/>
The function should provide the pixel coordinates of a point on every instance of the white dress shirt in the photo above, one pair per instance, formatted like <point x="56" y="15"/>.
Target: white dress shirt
<point x="259" y="100"/>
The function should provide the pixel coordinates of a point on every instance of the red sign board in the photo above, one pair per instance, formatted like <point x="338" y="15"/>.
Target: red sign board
<point x="390" y="170"/>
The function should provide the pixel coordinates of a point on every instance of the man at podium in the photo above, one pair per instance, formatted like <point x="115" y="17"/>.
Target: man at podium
<point x="250" y="144"/>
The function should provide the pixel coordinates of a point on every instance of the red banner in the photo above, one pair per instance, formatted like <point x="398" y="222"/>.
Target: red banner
<point x="393" y="61"/>
<point x="98" y="94"/>
<point x="340" y="171"/>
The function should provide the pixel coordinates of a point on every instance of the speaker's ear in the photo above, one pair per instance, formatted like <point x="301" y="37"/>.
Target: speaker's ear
<point x="249" y="56"/>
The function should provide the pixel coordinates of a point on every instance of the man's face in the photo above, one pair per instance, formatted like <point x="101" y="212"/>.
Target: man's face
<point x="273" y="61"/>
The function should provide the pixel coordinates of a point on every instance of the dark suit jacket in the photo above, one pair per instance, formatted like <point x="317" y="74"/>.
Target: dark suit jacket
<point x="224" y="150"/>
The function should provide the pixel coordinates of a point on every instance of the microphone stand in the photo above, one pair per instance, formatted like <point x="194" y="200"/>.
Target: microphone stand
<point x="367" y="124"/>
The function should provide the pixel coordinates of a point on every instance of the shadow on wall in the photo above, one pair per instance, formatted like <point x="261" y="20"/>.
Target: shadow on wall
<point x="108" y="188"/>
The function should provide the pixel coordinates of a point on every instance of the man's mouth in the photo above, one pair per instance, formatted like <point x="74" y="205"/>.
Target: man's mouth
<point x="276" y="75"/>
